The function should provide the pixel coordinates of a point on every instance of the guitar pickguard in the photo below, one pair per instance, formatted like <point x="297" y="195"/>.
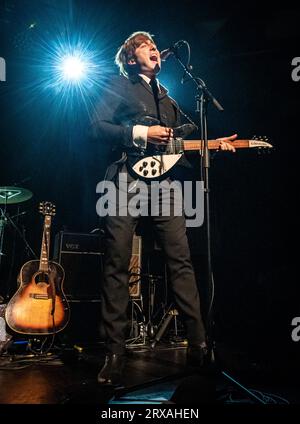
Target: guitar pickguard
<point x="154" y="167"/>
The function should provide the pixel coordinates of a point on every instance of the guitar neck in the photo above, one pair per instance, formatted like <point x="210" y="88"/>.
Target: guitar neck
<point x="213" y="144"/>
<point x="44" y="258"/>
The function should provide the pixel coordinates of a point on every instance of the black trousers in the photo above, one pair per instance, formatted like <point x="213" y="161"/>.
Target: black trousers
<point x="171" y="233"/>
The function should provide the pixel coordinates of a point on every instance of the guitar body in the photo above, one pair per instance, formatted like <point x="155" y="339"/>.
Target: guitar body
<point x="40" y="293"/>
<point x="156" y="161"/>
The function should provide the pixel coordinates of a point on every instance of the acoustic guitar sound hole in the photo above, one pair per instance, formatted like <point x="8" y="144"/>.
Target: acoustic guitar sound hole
<point x="42" y="277"/>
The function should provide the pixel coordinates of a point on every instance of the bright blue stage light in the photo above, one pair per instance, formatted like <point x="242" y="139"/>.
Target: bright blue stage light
<point x="73" y="68"/>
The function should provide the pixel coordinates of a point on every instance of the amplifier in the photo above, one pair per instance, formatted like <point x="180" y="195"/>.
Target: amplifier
<point x="80" y="254"/>
<point x="77" y="243"/>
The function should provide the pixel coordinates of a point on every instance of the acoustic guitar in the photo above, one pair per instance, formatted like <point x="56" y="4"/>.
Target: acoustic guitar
<point x="39" y="306"/>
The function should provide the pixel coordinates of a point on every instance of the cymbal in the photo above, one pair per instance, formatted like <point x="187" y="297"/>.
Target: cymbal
<point x="10" y="195"/>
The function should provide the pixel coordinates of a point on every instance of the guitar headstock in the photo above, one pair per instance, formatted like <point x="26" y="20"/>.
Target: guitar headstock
<point x="261" y="142"/>
<point x="47" y="208"/>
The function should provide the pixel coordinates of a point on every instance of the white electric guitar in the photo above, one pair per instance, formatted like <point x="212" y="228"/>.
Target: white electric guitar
<point x="156" y="166"/>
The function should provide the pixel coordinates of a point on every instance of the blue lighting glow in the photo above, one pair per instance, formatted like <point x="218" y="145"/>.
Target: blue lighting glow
<point x="73" y="68"/>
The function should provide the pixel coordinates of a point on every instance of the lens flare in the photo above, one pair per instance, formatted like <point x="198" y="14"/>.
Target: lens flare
<point x="73" y="68"/>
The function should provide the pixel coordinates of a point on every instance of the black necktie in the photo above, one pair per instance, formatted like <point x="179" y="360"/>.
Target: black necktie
<point x="155" y="90"/>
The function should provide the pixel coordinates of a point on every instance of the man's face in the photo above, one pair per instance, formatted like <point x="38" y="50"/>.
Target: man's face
<point x="147" y="58"/>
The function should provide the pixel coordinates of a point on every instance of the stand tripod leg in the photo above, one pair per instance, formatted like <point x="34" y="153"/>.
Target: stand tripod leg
<point x="170" y="314"/>
<point x="243" y="388"/>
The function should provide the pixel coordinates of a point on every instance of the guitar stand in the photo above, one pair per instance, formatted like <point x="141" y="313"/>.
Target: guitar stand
<point x="36" y="346"/>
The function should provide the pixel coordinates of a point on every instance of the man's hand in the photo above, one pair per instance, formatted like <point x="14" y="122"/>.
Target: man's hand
<point x="224" y="143"/>
<point x="159" y="135"/>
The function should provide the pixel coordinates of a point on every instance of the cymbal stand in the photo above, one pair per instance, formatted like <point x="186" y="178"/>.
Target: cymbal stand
<point x="152" y="279"/>
<point x="21" y="233"/>
<point x="5" y="219"/>
<point x="3" y="222"/>
<point x="137" y="332"/>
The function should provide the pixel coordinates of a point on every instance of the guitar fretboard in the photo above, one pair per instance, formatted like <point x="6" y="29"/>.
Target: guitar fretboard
<point x="44" y="258"/>
<point x="213" y="144"/>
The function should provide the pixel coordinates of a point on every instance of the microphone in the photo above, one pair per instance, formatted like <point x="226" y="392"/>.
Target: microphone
<point x="164" y="54"/>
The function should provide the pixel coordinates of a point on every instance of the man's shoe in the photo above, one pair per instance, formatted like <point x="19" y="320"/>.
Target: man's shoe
<point x="197" y="356"/>
<point x="112" y="370"/>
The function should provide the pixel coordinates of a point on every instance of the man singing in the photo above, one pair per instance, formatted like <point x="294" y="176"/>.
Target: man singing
<point x="121" y="121"/>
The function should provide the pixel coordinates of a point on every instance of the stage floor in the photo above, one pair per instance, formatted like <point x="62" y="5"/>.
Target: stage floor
<point x="67" y="375"/>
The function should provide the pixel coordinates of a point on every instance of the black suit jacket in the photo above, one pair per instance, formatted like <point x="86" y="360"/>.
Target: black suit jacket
<point x="126" y="102"/>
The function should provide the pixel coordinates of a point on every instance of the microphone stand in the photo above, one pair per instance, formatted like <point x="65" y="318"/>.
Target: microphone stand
<point x="203" y="97"/>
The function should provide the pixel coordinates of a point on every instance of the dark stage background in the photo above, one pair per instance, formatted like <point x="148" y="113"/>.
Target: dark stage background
<point x="244" y="53"/>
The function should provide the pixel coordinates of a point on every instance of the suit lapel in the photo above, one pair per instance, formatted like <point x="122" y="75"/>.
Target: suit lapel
<point x="137" y="79"/>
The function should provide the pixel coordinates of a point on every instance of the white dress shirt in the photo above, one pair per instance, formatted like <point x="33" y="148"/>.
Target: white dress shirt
<point x="140" y="132"/>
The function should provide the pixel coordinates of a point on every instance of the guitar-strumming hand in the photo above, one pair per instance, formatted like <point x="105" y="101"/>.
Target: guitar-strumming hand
<point x="159" y="135"/>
